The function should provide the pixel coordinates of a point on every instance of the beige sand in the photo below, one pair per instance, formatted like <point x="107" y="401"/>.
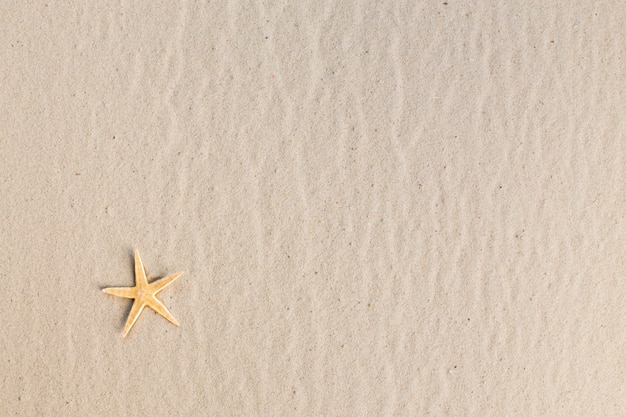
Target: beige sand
<point x="380" y="209"/>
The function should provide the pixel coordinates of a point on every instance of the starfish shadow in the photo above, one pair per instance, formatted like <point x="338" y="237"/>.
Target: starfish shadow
<point x="131" y="261"/>
<point x="131" y="257"/>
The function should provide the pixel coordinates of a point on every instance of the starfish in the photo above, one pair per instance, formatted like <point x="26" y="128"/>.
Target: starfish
<point x="144" y="294"/>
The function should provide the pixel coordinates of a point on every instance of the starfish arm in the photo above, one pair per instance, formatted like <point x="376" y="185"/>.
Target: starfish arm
<point x="157" y="286"/>
<point x="135" y="311"/>
<point x="157" y="306"/>
<point x="140" y="272"/>
<point x="124" y="292"/>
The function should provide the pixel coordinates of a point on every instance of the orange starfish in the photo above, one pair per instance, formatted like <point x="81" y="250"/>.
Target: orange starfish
<point x="144" y="294"/>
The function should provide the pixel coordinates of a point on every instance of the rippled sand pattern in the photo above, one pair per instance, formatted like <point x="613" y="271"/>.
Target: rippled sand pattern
<point x="381" y="208"/>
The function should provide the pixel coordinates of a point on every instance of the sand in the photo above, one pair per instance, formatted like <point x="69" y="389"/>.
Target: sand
<point x="381" y="208"/>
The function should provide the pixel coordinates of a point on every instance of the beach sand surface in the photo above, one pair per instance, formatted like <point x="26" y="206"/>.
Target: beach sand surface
<point x="380" y="208"/>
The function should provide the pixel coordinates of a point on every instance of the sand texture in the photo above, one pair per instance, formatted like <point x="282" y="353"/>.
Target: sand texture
<point x="401" y="208"/>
